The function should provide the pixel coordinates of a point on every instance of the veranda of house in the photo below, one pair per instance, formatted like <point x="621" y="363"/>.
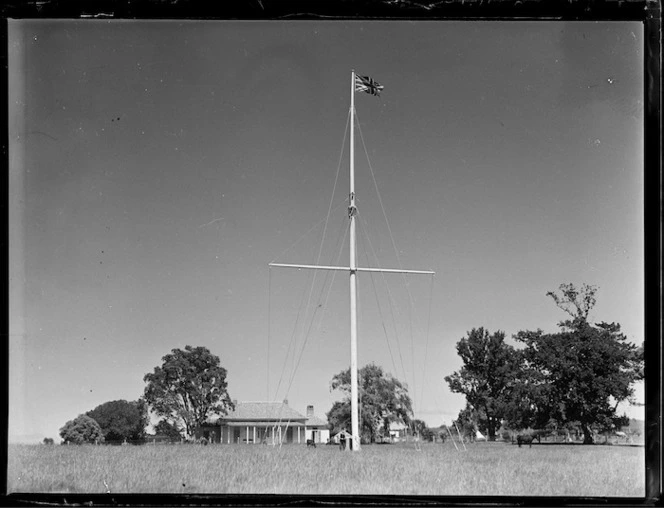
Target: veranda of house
<point x="265" y="423"/>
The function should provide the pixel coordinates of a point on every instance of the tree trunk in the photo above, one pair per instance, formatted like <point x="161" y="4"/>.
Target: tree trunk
<point x="587" y="434"/>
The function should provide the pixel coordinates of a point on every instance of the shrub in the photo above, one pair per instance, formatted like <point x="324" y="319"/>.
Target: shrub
<point x="80" y="430"/>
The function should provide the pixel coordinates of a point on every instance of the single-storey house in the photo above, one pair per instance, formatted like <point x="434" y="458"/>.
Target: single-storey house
<point x="316" y="428"/>
<point x="266" y="423"/>
<point x="398" y="430"/>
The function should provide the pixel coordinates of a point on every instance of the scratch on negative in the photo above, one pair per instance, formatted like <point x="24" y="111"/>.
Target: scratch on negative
<point x="211" y="222"/>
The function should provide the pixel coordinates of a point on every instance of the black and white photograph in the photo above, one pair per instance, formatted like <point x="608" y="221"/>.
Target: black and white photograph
<point x="351" y="257"/>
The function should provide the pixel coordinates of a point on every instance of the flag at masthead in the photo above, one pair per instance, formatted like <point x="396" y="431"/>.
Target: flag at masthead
<point x="368" y="85"/>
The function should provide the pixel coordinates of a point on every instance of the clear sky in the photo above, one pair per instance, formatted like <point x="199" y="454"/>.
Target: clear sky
<point x="156" y="168"/>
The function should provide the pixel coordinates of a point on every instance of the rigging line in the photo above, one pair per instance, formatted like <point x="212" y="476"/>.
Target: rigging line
<point x="327" y="218"/>
<point x="319" y="300"/>
<point x="380" y="311"/>
<point x="339" y="244"/>
<point x="380" y="199"/>
<point x="324" y="306"/>
<point x="344" y="200"/>
<point x="387" y="222"/>
<point x="336" y="179"/>
<point x="394" y="246"/>
<point x="390" y="299"/>
<point x="296" y="365"/>
<point x="334" y="188"/>
<point x="426" y="344"/>
<point x="291" y="342"/>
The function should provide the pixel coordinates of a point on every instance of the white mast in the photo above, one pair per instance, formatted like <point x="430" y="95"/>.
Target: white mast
<point x="353" y="269"/>
<point x="352" y="211"/>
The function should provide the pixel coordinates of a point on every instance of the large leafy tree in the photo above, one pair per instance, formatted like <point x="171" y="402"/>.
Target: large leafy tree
<point x="120" y="420"/>
<point x="579" y="375"/>
<point x="486" y="377"/>
<point x="188" y="388"/>
<point x="81" y="430"/>
<point x="339" y="418"/>
<point x="383" y="399"/>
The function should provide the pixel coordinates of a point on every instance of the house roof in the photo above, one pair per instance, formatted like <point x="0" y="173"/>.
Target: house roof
<point x="262" y="411"/>
<point x="314" y="421"/>
<point x="399" y="425"/>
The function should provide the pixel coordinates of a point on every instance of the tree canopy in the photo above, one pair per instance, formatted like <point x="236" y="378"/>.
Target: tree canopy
<point x="574" y="378"/>
<point x="486" y="377"/>
<point x="188" y="388"/>
<point x="120" y="420"/>
<point x="80" y="430"/>
<point x="580" y="375"/>
<point x="382" y="397"/>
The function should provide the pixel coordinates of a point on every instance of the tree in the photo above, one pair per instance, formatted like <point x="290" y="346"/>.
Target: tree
<point x="168" y="429"/>
<point x="467" y="422"/>
<point x="420" y="429"/>
<point x="48" y="441"/>
<point x="188" y="388"/>
<point x="80" y="430"/>
<point x="442" y="432"/>
<point x="576" y="302"/>
<point x="339" y="417"/>
<point x="581" y="374"/>
<point x="121" y="420"/>
<point x="486" y="376"/>
<point x="383" y="399"/>
<point x="525" y="400"/>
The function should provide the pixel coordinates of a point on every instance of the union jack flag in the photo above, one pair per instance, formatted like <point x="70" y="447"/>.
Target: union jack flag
<point x="368" y="85"/>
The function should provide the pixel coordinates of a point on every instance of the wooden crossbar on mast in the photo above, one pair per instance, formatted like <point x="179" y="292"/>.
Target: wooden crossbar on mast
<point x="353" y="269"/>
<point x="347" y="268"/>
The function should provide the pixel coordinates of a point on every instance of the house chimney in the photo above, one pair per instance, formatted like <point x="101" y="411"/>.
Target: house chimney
<point x="310" y="411"/>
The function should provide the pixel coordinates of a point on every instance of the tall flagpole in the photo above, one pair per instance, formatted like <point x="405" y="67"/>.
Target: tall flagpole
<point x="352" y="211"/>
<point x="369" y="86"/>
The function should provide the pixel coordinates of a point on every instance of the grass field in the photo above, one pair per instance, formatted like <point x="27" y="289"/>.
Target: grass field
<point x="435" y="469"/>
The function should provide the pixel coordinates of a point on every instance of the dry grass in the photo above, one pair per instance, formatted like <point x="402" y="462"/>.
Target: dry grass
<point x="435" y="469"/>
